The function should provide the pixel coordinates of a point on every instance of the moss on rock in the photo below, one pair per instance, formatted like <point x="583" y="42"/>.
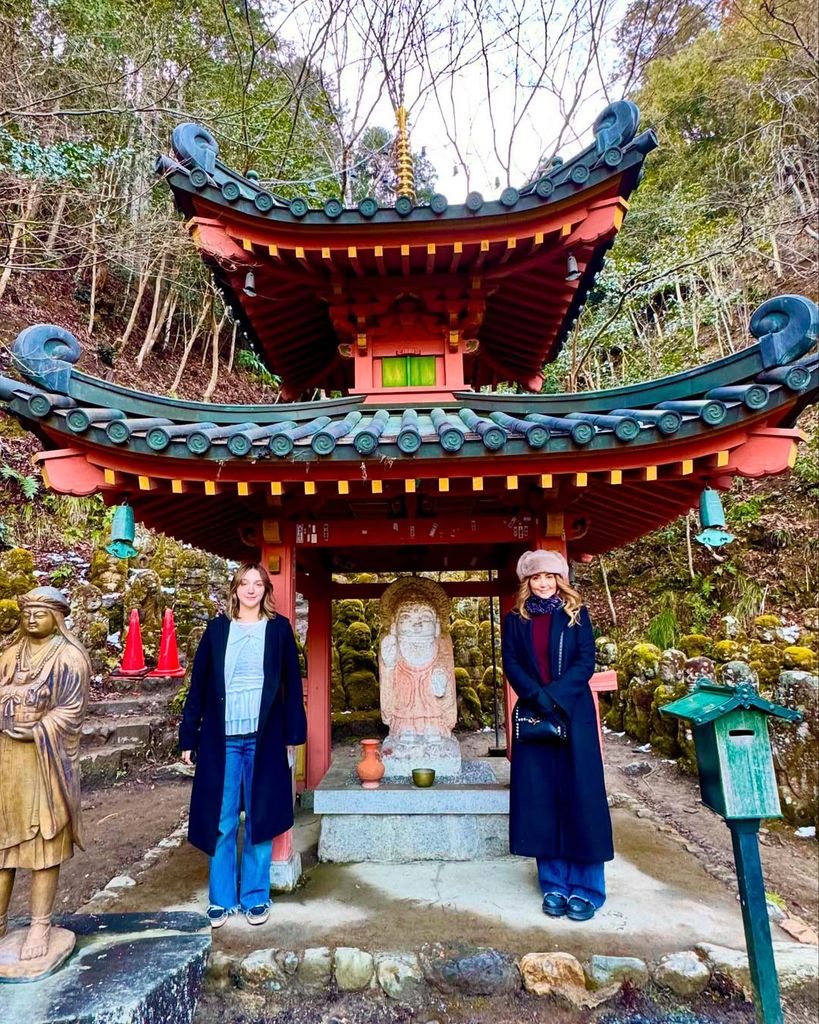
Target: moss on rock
<point x="9" y="617"/>
<point x="694" y="645"/>
<point x="801" y="658"/>
<point x="16" y="573"/>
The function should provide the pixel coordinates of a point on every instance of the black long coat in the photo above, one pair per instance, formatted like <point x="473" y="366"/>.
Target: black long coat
<point x="558" y="805"/>
<point x="282" y="722"/>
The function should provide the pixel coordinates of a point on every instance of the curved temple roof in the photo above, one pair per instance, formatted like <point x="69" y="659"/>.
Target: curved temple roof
<point x="607" y="437"/>
<point x="491" y="273"/>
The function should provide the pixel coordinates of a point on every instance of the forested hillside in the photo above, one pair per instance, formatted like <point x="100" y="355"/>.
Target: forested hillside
<point x="725" y="217"/>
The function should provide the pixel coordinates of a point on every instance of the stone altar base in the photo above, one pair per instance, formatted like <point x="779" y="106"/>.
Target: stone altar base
<point x="398" y="823"/>
<point x="443" y="753"/>
<point x="128" y="968"/>
<point x="60" y="947"/>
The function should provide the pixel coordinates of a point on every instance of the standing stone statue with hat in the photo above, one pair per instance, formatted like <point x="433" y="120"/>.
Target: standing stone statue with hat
<point x="44" y="682"/>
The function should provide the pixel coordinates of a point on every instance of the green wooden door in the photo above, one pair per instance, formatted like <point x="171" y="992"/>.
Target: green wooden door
<point x="408" y="372"/>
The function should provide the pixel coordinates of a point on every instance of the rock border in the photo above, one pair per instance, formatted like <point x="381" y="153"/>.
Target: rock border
<point x="456" y="968"/>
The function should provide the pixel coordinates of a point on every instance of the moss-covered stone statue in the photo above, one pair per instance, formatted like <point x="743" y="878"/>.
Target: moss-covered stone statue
<point x="44" y="680"/>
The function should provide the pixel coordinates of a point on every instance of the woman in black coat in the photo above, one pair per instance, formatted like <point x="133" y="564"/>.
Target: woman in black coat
<point x="558" y="809"/>
<point x="243" y="716"/>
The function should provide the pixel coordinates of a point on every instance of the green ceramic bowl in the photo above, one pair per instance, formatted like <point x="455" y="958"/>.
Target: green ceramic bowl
<point x="423" y="777"/>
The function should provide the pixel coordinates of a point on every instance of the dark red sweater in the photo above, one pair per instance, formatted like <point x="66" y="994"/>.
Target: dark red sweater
<point x="541" y="627"/>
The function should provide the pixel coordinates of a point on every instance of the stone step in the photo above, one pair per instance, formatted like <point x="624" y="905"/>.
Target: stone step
<point x="160" y="685"/>
<point x="132" y="705"/>
<point x="104" y="764"/>
<point x="114" y="731"/>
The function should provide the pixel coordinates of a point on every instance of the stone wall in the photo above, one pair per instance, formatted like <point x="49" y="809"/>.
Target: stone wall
<point x="779" y="659"/>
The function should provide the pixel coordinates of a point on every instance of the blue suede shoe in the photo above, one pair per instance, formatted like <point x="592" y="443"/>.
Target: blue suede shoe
<point x="217" y="916"/>
<point x="555" y="904"/>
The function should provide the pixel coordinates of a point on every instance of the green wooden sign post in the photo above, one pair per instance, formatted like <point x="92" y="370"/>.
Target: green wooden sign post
<point x="737" y="780"/>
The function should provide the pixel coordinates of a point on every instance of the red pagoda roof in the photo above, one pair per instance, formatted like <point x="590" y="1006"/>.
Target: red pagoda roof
<point x="492" y="276"/>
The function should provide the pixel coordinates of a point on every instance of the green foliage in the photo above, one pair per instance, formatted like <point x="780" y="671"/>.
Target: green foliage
<point x="663" y="629"/>
<point x="29" y="485"/>
<point x="250" y="363"/>
<point x="62" y="574"/>
<point x="744" y="513"/>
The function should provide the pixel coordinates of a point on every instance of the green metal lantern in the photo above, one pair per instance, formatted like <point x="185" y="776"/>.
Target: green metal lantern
<point x="712" y="519"/>
<point x="123" y="531"/>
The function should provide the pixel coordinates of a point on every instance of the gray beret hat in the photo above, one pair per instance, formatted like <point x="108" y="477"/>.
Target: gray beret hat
<point x="532" y="562"/>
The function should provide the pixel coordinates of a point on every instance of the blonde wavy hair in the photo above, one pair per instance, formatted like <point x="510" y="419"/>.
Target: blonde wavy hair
<point x="572" y="601"/>
<point x="268" y="605"/>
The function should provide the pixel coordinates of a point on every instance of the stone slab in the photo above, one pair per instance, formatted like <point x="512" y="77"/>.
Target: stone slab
<point x="12" y="969"/>
<point x="403" y="838"/>
<point x="399" y="798"/>
<point x="126" y="969"/>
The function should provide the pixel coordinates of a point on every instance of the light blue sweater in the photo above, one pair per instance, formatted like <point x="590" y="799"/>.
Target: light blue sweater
<point x="244" y="676"/>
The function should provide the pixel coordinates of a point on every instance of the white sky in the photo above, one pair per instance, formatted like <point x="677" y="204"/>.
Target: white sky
<point x="457" y="115"/>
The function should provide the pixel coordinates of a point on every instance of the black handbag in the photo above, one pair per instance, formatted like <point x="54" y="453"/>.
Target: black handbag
<point x="536" y="727"/>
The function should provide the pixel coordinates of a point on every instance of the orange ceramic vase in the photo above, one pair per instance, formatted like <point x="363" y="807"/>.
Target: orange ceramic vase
<point x="370" y="768"/>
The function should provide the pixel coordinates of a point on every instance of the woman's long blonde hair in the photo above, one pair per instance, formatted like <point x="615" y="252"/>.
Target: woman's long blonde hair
<point x="572" y="601"/>
<point x="268" y="605"/>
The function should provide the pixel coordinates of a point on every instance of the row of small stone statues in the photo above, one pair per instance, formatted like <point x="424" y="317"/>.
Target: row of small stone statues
<point x="44" y="686"/>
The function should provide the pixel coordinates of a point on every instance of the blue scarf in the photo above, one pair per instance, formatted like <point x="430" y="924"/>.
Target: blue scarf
<point x="542" y="605"/>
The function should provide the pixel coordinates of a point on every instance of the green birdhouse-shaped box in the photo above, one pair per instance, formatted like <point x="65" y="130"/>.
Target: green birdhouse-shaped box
<point x="734" y="756"/>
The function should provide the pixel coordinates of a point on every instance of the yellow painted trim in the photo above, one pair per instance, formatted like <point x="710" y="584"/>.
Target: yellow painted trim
<point x="344" y="487"/>
<point x="484" y="245"/>
<point x="247" y="245"/>
<point x="792" y="455"/>
<point x="271" y="531"/>
<point x="405" y="250"/>
<point x="110" y="476"/>
<point x="210" y="487"/>
<point x="379" y="251"/>
<point x="651" y="473"/>
<point x="377" y="486"/>
<point x="511" y="243"/>
<point x="242" y="489"/>
<point x="309" y="487"/>
<point x="546" y="480"/>
<point x="723" y="458"/>
<point x="581" y="479"/>
<point x="177" y="487"/>
<point x="352" y="252"/>
<point x="616" y="476"/>
<point x="409" y="486"/>
<point x="566" y="230"/>
<point x="273" y="250"/>
<point x="458" y="247"/>
<point x="619" y="214"/>
<point x="299" y="252"/>
<point x="443" y="483"/>
<point x="325" y="253"/>
<point x="511" y="483"/>
<point x="431" y="248"/>
<point x="275" y="487"/>
<point x="144" y="483"/>
<point x="539" y="238"/>
<point x="477" y="483"/>
<point x="554" y="524"/>
<point x="687" y="467"/>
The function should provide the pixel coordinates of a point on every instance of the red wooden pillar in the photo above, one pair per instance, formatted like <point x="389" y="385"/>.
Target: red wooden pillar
<point x="279" y="558"/>
<point x="319" y="679"/>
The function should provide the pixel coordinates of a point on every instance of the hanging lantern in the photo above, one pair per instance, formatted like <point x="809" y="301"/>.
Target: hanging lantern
<point x="712" y="520"/>
<point x="123" y="531"/>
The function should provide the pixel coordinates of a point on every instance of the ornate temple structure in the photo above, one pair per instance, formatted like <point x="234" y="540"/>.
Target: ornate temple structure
<point x="412" y="314"/>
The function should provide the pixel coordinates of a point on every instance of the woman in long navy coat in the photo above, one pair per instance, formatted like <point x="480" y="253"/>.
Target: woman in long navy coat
<point x="243" y="716"/>
<point x="558" y="808"/>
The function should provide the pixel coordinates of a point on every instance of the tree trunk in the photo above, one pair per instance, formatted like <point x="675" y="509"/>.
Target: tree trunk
<point x="27" y="209"/>
<point x="214" y="373"/>
<point x="207" y="309"/>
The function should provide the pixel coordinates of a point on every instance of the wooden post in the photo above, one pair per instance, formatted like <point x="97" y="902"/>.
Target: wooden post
<point x="279" y="558"/>
<point x="319" y="680"/>
<point x="755" y="919"/>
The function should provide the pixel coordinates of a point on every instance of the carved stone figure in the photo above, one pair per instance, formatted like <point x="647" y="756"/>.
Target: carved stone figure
<point x="44" y="679"/>
<point x="417" y="676"/>
<point x="90" y="621"/>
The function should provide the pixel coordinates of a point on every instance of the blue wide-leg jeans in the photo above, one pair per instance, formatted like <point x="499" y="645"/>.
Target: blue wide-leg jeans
<point x="229" y="886"/>
<point x="573" y="878"/>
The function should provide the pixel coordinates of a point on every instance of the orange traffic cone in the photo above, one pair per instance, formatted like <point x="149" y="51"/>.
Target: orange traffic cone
<point x="168" y="666"/>
<point x="133" y="660"/>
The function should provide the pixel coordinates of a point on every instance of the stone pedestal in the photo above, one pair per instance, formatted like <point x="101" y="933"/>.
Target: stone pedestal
<point x="128" y="968"/>
<point x="399" y="823"/>
<point x="285" y="874"/>
<point x="400" y="756"/>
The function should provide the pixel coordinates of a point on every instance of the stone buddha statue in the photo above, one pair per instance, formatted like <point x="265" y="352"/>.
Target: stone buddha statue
<point x="417" y="679"/>
<point x="44" y="681"/>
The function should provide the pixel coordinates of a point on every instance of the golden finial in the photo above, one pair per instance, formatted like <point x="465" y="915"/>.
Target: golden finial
<point x="403" y="156"/>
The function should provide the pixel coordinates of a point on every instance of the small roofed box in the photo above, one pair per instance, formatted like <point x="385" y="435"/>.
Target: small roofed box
<point x="734" y="757"/>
